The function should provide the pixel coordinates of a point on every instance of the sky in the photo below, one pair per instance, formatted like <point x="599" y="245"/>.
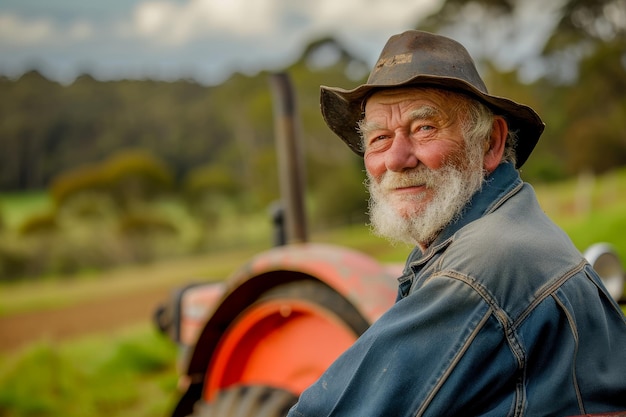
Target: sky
<point x="205" y="40"/>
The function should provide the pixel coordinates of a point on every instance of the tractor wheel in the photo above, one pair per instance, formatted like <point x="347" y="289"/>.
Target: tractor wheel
<point x="248" y="401"/>
<point x="285" y="339"/>
<point x="322" y="295"/>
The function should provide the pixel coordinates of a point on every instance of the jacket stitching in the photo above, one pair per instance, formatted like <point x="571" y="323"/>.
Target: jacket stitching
<point x="508" y="330"/>
<point x="547" y="290"/>
<point x="457" y="357"/>
<point x="572" y="324"/>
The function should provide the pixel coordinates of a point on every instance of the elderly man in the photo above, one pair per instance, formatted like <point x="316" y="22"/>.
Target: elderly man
<point x="498" y="314"/>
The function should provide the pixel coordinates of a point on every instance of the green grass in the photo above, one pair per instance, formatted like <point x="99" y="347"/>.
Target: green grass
<point x="128" y="374"/>
<point x="17" y="207"/>
<point x="589" y="210"/>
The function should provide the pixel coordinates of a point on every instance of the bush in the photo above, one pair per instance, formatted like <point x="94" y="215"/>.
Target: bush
<point x="342" y="200"/>
<point x="44" y="223"/>
<point x="136" y="176"/>
<point x="131" y="177"/>
<point x="208" y="191"/>
<point x="93" y="208"/>
<point x="210" y="179"/>
<point x="14" y="261"/>
<point x="86" y="178"/>
<point x="146" y="225"/>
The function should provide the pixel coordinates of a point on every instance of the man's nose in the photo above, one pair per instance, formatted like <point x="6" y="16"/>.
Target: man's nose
<point x="401" y="154"/>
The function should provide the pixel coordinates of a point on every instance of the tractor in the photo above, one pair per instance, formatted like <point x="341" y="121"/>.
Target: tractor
<point x="249" y="345"/>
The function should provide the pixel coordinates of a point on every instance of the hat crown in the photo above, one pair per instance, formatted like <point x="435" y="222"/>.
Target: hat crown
<point x="414" y="53"/>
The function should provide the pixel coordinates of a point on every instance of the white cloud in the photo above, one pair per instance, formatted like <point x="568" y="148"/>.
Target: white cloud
<point x="369" y="15"/>
<point x="173" y="23"/>
<point x="19" y="31"/>
<point x="152" y="17"/>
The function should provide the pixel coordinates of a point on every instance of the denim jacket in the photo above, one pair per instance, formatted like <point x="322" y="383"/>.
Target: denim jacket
<point x="500" y="316"/>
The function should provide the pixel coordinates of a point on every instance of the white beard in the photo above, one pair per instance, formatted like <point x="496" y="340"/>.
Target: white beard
<point x="452" y="188"/>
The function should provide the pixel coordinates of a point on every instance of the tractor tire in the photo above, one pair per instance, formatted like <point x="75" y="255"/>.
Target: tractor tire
<point x="316" y="310"/>
<point x="324" y="296"/>
<point x="248" y="401"/>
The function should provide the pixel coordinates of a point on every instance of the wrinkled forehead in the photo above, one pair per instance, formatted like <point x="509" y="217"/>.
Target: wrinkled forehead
<point x="445" y="103"/>
<point x="444" y="99"/>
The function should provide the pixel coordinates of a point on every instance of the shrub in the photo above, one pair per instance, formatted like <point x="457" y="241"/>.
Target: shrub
<point x="146" y="224"/>
<point x="210" y="179"/>
<point x="136" y="176"/>
<point x="70" y="183"/>
<point x="39" y="224"/>
<point x="129" y="176"/>
<point x="342" y="200"/>
<point x="91" y="207"/>
<point x="14" y="261"/>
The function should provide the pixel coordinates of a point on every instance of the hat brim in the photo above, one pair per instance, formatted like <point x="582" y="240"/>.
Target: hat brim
<point x="342" y="110"/>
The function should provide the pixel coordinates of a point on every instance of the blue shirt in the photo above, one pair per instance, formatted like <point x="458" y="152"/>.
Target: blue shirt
<point x="500" y="316"/>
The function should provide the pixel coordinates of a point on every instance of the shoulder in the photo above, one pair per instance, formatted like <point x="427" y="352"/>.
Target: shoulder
<point x="511" y="252"/>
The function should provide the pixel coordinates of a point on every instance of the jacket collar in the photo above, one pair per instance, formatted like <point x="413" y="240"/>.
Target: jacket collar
<point x="498" y="187"/>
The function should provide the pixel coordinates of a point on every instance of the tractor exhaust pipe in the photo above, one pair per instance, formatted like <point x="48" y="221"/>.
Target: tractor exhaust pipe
<point x="290" y="161"/>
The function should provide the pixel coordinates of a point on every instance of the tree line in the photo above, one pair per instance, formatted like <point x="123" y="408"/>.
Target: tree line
<point x="105" y="151"/>
<point x="47" y="128"/>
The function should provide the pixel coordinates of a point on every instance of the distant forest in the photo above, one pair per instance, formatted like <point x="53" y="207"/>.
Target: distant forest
<point x="47" y="129"/>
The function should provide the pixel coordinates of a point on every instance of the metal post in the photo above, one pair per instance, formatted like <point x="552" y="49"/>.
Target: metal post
<point x="290" y="158"/>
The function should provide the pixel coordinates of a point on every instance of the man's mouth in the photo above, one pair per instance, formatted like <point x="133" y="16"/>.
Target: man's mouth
<point x="411" y="187"/>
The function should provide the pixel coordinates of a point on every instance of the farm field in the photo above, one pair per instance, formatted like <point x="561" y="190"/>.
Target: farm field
<point x="86" y="345"/>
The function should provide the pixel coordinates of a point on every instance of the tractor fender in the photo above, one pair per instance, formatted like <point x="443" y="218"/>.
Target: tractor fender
<point x="367" y="284"/>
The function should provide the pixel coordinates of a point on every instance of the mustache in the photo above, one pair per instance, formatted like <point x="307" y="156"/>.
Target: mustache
<point x="421" y="176"/>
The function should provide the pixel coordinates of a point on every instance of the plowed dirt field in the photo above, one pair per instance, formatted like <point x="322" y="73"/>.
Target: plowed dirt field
<point x="94" y="316"/>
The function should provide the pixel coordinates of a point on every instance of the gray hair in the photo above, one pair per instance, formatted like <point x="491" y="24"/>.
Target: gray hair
<point x="478" y="124"/>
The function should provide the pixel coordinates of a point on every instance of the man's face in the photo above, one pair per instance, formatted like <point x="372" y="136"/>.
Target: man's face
<point x="420" y="171"/>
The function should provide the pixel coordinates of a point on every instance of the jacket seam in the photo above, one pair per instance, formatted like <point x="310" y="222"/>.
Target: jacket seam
<point x="547" y="290"/>
<point x="457" y="357"/>
<point x="500" y="201"/>
<point x="508" y="331"/>
<point x="498" y="312"/>
<point x="574" y="329"/>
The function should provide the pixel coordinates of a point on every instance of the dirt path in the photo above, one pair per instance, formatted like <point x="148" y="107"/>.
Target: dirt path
<point x="96" y="316"/>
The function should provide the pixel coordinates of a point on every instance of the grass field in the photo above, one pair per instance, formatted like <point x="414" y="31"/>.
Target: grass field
<point x="131" y="372"/>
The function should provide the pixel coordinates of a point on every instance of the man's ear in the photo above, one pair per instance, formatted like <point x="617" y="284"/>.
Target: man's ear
<point x="494" y="148"/>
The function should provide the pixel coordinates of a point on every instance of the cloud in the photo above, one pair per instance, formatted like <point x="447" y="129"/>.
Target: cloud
<point x="175" y="24"/>
<point x="204" y="39"/>
<point x="21" y="32"/>
<point x="370" y="15"/>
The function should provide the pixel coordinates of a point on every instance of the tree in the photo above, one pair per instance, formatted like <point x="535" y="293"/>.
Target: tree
<point x="580" y="61"/>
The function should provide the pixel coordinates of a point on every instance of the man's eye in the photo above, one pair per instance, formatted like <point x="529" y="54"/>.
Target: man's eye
<point x="377" y="141"/>
<point x="378" y="138"/>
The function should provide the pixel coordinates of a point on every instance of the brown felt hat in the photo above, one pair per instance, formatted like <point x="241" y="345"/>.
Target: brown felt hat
<point x="425" y="59"/>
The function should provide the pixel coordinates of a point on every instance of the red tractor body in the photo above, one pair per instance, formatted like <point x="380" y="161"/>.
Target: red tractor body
<point x="279" y="321"/>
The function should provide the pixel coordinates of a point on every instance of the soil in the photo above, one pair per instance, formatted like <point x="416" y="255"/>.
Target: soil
<point x="95" y="316"/>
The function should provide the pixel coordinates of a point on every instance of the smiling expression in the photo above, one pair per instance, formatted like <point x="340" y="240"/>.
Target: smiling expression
<point x="408" y="129"/>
